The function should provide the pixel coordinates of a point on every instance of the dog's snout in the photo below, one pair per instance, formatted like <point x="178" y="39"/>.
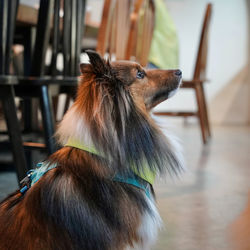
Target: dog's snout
<point x="178" y="72"/>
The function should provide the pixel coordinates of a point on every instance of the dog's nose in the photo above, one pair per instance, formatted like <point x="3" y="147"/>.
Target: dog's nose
<point x="178" y="72"/>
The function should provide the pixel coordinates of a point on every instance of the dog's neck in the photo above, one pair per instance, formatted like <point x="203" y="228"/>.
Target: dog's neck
<point x="146" y="174"/>
<point x="139" y="144"/>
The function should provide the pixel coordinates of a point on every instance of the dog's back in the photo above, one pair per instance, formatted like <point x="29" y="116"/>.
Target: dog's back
<point x="67" y="210"/>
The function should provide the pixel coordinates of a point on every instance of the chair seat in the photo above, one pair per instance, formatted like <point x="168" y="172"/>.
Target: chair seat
<point x="176" y="113"/>
<point x="8" y="80"/>
<point x="38" y="81"/>
<point x="47" y="80"/>
<point x="191" y="83"/>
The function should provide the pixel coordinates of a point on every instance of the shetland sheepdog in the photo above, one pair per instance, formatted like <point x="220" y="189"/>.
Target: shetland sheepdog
<point x="95" y="192"/>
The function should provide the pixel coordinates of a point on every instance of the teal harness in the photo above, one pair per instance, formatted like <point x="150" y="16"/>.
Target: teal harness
<point x="34" y="175"/>
<point x="135" y="181"/>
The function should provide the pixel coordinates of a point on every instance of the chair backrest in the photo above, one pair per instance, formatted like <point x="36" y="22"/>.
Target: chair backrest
<point x="141" y="31"/>
<point x="8" y="12"/>
<point x="126" y="29"/>
<point x="114" y="28"/>
<point x="201" y="59"/>
<point x="73" y="24"/>
<point x="64" y="29"/>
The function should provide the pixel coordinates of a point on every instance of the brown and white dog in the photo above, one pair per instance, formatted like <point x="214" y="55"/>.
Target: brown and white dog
<point x="95" y="193"/>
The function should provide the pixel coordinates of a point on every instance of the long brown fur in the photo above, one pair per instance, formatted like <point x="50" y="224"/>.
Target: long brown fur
<point x="78" y="205"/>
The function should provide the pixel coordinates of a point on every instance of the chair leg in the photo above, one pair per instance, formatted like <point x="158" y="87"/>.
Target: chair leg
<point x="201" y="114"/>
<point x="205" y="111"/>
<point x="9" y="108"/>
<point x="66" y="105"/>
<point x="48" y="119"/>
<point x="55" y="100"/>
<point x="30" y="115"/>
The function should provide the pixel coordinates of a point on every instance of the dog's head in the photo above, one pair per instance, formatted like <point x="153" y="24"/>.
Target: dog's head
<point x="147" y="87"/>
<point x="111" y="113"/>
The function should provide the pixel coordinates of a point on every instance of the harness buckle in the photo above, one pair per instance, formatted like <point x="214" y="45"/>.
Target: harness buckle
<point x="25" y="182"/>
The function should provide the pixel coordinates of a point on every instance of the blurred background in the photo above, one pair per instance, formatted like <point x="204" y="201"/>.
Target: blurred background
<point x="42" y="43"/>
<point x="228" y="55"/>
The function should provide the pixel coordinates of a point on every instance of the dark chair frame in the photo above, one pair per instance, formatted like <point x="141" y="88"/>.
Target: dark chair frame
<point x="8" y="11"/>
<point x="66" y="40"/>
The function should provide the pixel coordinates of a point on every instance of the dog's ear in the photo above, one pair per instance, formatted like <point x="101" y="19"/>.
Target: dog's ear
<point x="86" y="68"/>
<point x="98" y="63"/>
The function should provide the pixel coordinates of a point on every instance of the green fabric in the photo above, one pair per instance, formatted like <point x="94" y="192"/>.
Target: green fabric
<point x="164" y="51"/>
<point x="147" y="174"/>
<point x="77" y="144"/>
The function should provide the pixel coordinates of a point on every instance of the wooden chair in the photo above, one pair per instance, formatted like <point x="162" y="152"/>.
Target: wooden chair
<point x="114" y="28"/>
<point x="8" y="10"/>
<point x="125" y="24"/>
<point x="198" y="80"/>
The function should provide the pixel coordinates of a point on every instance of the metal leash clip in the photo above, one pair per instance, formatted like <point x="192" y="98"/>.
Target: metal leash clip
<point x="25" y="182"/>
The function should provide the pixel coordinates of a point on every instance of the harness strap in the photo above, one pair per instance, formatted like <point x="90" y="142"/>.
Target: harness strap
<point x="133" y="178"/>
<point x="135" y="181"/>
<point x="34" y="175"/>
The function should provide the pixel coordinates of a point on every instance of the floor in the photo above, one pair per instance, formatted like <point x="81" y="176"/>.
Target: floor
<point x="208" y="206"/>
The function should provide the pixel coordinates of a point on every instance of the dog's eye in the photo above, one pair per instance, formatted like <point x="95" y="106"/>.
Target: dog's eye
<point x="140" y="74"/>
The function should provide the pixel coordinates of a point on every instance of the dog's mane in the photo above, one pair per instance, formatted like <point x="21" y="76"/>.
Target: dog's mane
<point x="105" y="116"/>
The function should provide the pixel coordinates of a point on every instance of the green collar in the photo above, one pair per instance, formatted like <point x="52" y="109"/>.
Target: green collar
<point x="147" y="174"/>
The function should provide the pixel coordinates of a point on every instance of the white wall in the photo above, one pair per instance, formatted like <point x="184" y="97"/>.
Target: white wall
<point x="228" y="49"/>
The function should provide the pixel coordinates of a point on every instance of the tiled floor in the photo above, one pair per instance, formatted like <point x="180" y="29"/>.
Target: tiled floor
<point x="206" y="208"/>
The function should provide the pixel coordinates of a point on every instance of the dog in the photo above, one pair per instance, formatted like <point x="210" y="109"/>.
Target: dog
<point x="95" y="192"/>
